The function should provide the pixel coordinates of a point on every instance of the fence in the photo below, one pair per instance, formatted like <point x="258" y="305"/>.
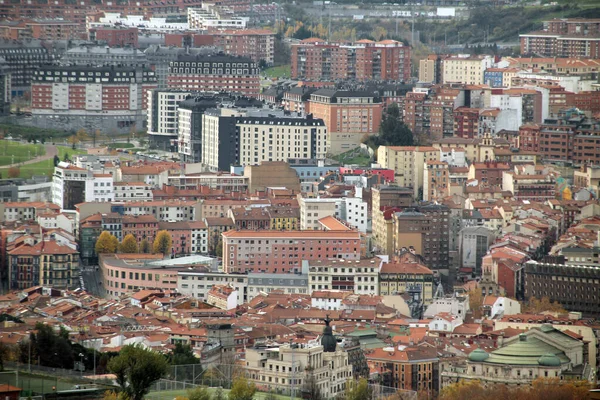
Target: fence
<point x="181" y="378"/>
<point x="33" y="368"/>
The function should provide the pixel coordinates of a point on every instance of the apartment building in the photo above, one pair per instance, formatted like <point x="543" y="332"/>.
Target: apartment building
<point x="115" y="36"/>
<point x="215" y="73"/>
<point x="430" y="69"/>
<point x="72" y="185"/>
<point x="46" y="263"/>
<point x="133" y="191"/>
<point x="465" y="68"/>
<point x="22" y="59"/>
<point x="198" y="282"/>
<point x="413" y="368"/>
<point x="142" y="227"/>
<point x="348" y="116"/>
<point x="318" y="60"/>
<point x="162" y="114"/>
<point x="406" y="277"/>
<point x="266" y="283"/>
<point x="283" y="251"/>
<point x="426" y="229"/>
<point x="436" y="180"/>
<point x="408" y="163"/>
<point x="251" y="140"/>
<point x="564" y="37"/>
<point x="43" y="29"/>
<point x="356" y="276"/>
<point x="86" y="97"/>
<point x="352" y="210"/>
<point x="527" y="183"/>
<point x="257" y="44"/>
<point x="385" y="200"/>
<point x="210" y="16"/>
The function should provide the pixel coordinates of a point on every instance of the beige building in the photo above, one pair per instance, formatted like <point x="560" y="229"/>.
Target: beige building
<point x="271" y="174"/>
<point x="398" y="278"/>
<point x="387" y="197"/>
<point x="313" y="209"/>
<point x="284" y="369"/>
<point x="465" y="69"/>
<point x="436" y="181"/>
<point x="428" y="69"/>
<point x="408" y="163"/>
<point x="357" y="276"/>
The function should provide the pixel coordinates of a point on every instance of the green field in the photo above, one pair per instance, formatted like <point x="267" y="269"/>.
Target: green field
<point x="171" y="394"/>
<point x="354" y="156"/>
<point x="281" y="71"/>
<point x="15" y="152"/>
<point x="35" y="383"/>
<point x="45" y="167"/>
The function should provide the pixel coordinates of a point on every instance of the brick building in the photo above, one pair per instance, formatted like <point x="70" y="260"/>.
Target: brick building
<point x="141" y="226"/>
<point x="316" y="59"/>
<point x="564" y="37"/>
<point x="115" y="36"/>
<point x="283" y="251"/>
<point x="85" y="97"/>
<point x="43" y="29"/>
<point x="348" y="116"/>
<point x="529" y="137"/>
<point x="466" y="122"/>
<point x="257" y="44"/>
<point x="215" y="73"/>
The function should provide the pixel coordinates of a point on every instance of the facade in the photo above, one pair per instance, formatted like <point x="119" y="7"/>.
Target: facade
<point x="543" y="352"/>
<point x="197" y="283"/>
<point x="387" y="198"/>
<point x="352" y="210"/>
<point x="90" y="55"/>
<point x="317" y="60"/>
<point x="82" y="97"/>
<point x="465" y="69"/>
<point x="436" y="181"/>
<point x="45" y="263"/>
<point x="163" y="116"/>
<point x="133" y="191"/>
<point x="210" y="17"/>
<point x="266" y="283"/>
<point x="414" y="368"/>
<point x="215" y="73"/>
<point x="283" y="251"/>
<point x="142" y="227"/>
<point x="474" y="242"/>
<point x="564" y="37"/>
<point x="575" y="287"/>
<point x="357" y="276"/>
<point x="426" y="229"/>
<point x="285" y="369"/>
<point x="72" y="185"/>
<point x="406" y="277"/>
<point x="22" y="59"/>
<point x="115" y="36"/>
<point x="408" y="163"/>
<point x="160" y="58"/>
<point x="348" y="116"/>
<point x="43" y="29"/>
<point x="223" y="297"/>
<point x="251" y="140"/>
<point x="528" y="184"/>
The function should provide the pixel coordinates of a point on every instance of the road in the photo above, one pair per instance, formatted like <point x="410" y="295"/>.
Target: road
<point x="92" y="280"/>
<point x="51" y="151"/>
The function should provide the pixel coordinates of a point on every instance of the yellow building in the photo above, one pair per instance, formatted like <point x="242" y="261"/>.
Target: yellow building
<point x="465" y="69"/>
<point x="287" y="219"/>
<point x="386" y="197"/>
<point x="408" y="163"/>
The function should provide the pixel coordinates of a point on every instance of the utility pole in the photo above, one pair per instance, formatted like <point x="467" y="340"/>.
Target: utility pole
<point x="292" y="389"/>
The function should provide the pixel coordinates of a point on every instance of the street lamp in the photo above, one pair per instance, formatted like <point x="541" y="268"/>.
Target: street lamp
<point x="81" y="365"/>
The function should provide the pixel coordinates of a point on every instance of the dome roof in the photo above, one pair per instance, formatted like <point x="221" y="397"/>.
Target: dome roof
<point x="478" y="355"/>
<point x="549" y="360"/>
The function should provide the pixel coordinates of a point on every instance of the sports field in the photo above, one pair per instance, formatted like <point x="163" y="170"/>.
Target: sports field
<point x="14" y="152"/>
<point x="171" y="394"/>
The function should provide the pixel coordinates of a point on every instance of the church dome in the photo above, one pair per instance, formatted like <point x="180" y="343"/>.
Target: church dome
<point x="478" y="355"/>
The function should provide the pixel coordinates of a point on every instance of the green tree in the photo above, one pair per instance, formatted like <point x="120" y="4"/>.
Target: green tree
<point x="145" y="246"/>
<point x="219" y="395"/>
<point x="4" y="353"/>
<point x="182" y="354"/>
<point x="128" y="245"/>
<point x="392" y="132"/>
<point x="163" y="243"/>
<point x="136" y="369"/>
<point x="242" y="389"/>
<point x="358" y="390"/>
<point x="270" y="396"/>
<point x="106" y="243"/>
<point x="56" y="160"/>
<point x="199" y="393"/>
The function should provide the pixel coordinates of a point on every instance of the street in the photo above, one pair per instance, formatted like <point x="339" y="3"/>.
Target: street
<point x="92" y="280"/>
